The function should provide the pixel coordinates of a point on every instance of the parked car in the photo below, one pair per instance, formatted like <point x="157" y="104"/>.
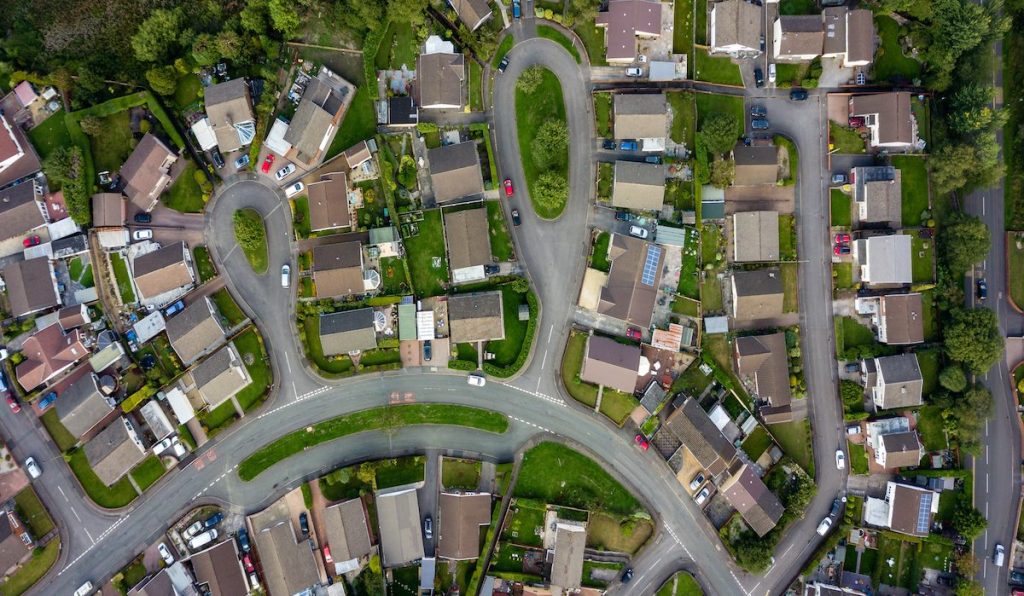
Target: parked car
<point x="428" y="527"/>
<point x="213" y="520"/>
<point x="165" y="554"/>
<point x="476" y="380"/>
<point x="840" y="460"/>
<point x="241" y="162"/>
<point x="247" y="563"/>
<point x="798" y="94"/>
<point x="174" y="309"/>
<point x="856" y="121"/>
<point x="286" y="276"/>
<point x="638" y="232"/>
<point x="623" y="216"/>
<point x="824" y="526"/>
<point x="999" y="555"/>
<point x="178" y="449"/>
<point x="771" y="72"/>
<point x="759" y="77"/>
<point x="982" y="286"/>
<point x="627" y="575"/>
<point x="697" y="481"/>
<point x="642" y="441"/>
<point x="48" y="400"/>
<point x="428" y="351"/>
<point x="218" y="159"/>
<point x="267" y="162"/>
<point x="508" y="187"/>
<point x="254" y="582"/>
<point x="1017" y="577"/>
<point x="162" y="446"/>
<point x="852" y="367"/>
<point x="143" y="218"/>
<point x="758" y="111"/>
<point x="838" y="179"/>
<point x="32" y="467"/>
<point x="842" y="237"/>
<point x="192" y="530"/>
<point x="13" y="403"/>
<point x="702" y="495"/>
<point x="634" y="71"/>
<point x="837" y="506"/>
<point x="634" y="333"/>
<point x="491" y="269"/>
<point x="84" y="590"/>
<point x="142" y="235"/>
<point x="517" y="10"/>
<point x="294" y="189"/>
<point x="760" y="124"/>
<point x="327" y="554"/>
<point x="304" y="523"/>
<point x="853" y="429"/>
<point x="841" y="249"/>
<point x="762" y="43"/>
<point x="628" y="145"/>
<point x="655" y="159"/>
<point x="503" y="64"/>
<point x="516" y="220"/>
<point x="243" y="540"/>
<point x="203" y="539"/>
<point x="608" y="144"/>
<point x="285" y="171"/>
<point x="33" y="240"/>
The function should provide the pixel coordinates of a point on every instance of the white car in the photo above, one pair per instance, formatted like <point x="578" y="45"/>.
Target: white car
<point x="84" y="590"/>
<point x="203" y="539"/>
<point x="638" y="232"/>
<point x="697" y="481"/>
<point x="634" y="71"/>
<point x="142" y="235"/>
<point x="165" y="554"/>
<point x="998" y="556"/>
<point x="702" y="496"/>
<point x="285" y="171"/>
<point x="179" y="449"/>
<point x="840" y="460"/>
<point x="824" y="526"/>
<point x="162" y="446"/>
<point x="193" y="530"/>
<point x="286" y="276"/>
<point x="771" y="73"/>
<point x="33" y="468"/>
<point x="254" y="582"/>
<point x="293" y="189"/>
<point x="476" y="380"/>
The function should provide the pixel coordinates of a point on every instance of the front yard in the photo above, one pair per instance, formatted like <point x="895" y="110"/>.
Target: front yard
<point x="795" y="441"/>
<point x="572" y="360"/>
<point x="922" y="255"/>
<point x="250" y="348"/>
<point x="186" y="195"/>
<point x="428" y="263"/>
<point x="501" y="241"/>
<point x="845" y="140"/>
<point x="556" y="474"/>
<point x="842" y="214"/>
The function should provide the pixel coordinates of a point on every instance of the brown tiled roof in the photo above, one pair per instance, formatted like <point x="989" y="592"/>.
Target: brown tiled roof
<point x="146" y="172"/>
<point x="906" y="504"/>
<point x="311" y="123"/>
<point x="30" y="286"/>
<point x="802" y="35"/>
<point x="760" y="508"/>
<point x="219" y="569"/>
<point x="737" y="23"/>
<point x="194" y="330"/>
<point x="895" y="119"/>
<point x="112" y="453"/>
<point x="82" y="406"/>
<point x="469" y="239"/>
<point x="755" y="236"/>
<point x="227" y="105"/>
<point x="347" y="533"/>
<point x="758" y="294"/>
<point x="18" y="158"/>
<point x="48" y="352"/>
<point x="903" y="318"/>
<point x="328" y="203"/>
<point x="639" y="185"/>
<point x="609" y="363"/>
<point x="460" y="517"/>
<point x="763" y="364"/>
<point x="108" y="210"/>
<point x="288" y="564"/>
<point x="476" y="317"/>
<point x="12" y="549"/>
<point x="625" y="295"/>
<point x="440" y="78"/>
<point x="692" y="426"/>
<point x="641" y="116"/>
<point x="220" y="376"/>
<point x="338" y="270"/>
<point x="20" y="210"/>
<point x="834" y="25"/>
<point x="755" y="165"/>
<point x="70" y="317"/>
<point x="902" y="450"/>
<point x="903" y="383"/>
<point x="357" y="154"/>
<point x="455" y="171"/>
<point x="860" y="36"/>
<point x="162" y="270"/>
<point x="472" y="12"/>
<point x="624" y="20"/>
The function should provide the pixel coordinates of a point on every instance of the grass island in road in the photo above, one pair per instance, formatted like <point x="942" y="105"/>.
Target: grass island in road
<point x="251" y="235"/>
<point x="535" y="107"/>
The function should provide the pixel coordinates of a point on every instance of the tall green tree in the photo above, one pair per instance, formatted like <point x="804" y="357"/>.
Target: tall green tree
<point x="719" y="132"/>
<point x="968" y="242"/>
<point x="953" y="378"/>
<point x="551" y="190"/>
<point x="163" y="79"/>
<point x="157" y="36"/>
<point x="550" y="147"/>
<point x="968" y="521"/>
<point x="284" y="17"/>
<point x="972" y="338"/>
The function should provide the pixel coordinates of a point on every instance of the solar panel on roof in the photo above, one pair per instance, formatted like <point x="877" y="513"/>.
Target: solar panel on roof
<point x="923" y="510"/>
<point x="650" y="265"/>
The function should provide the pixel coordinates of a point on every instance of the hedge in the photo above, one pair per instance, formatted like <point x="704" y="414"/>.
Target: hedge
<point x="371" y="45"/>
<point x="531" y="330"/>
<point x="461" y="365"/>
<point x="137" y="398"/>
<point x="485" y="129"/>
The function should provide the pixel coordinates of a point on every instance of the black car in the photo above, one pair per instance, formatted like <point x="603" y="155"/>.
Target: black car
<point x="243" y="540"/>
<point x="516" y="220"/>
<point x="760" y="124"/>
<point x="758" y="111"/>
<point x="608" y="144"/>
<point x="1016" y="578"/>
<point x="837" y="506"/>
<point x="143" y="218"/>
<point x="627" y="575"/>
<point x="304" y="523"/>
<point x="982" y="289"/>
<point x="428" y="351"/>
<point x="491" y="269"/>
<point x="623" y="216"/>
<point x="218" y="159"/>
<point x="798" y="94"/>
<point x="759" y="77"/>
<point x="655" y="159"/>
<point x="503" y="64"/>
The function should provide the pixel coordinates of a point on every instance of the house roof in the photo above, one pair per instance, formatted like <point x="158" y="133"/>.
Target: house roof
<point x="902" y="315"/>
<point x="143" y="173"/>
<point x="309" y="127"/>
<point x="902" y="450"/>
<point x="70" y="317"/>
<point x="894" y="119"/>
<point x="25" y="93"/>
<point x="879" y="189"/>
<point x="455" y="171"/>
<point x="402" y="111"/>
<point x="17" y="157"/>
<point x="228" y="105"/>
<point x="567" y="562"/>
<point x="624" y="20"/>
<point x="609" y="363"/>
<point x="632" y="285"/>
<point x="888" y="259"/>
<point x="737" y="24"/>
<point x="288" y="564"/>
<point x="763" y="364"/>
<point x="108" y="210"/>
<point x="639" y="185"/>
<point x="194" y="330"/>
<point x="347" y="331"/>
<point x="398" y="515"/>
<point x="221" y="375"/>
<point x="641" y="116"/>
<point x="12" y="549"/>
<point x="910" y="509"/>
<point x="755" y="236"/>
<point x="20" y="210"/>
<point x="112" y="452"/>
<point x="162" y="270"/>
<point x="357" y="154"/>
<point x="469" y="239"/>
<point x="30" y="286"/>
<point x="691" y="425"/>
<point x="47" y="352"/>
<point x="460" y="517"/>
<point x="219" y="568"/>
<point x="439" y="79"/>
<point x="760" y="508"/>
<point x="476" y="317"/>
<point x="338" y="269"/>
<point x="757" y="164"/>
<point x="471" y="12"/>
<point x="347" y="531"/>
<point x="328" y="202"/>
<point x="901" y="380"/>
<point x="757" y="294"/>
<point x="860" y="36"/>
<point x="82" y="406"/>
<point x="802" y="35"/>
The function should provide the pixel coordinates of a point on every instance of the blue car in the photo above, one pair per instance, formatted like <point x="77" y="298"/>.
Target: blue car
<point x="516" y="10"/>
<point x="213" y="520"/>
<point x="48" y="400"/>
<point x="243" y="540"/>
<point x="174" y="309"/>
<point x="628" y="146"/>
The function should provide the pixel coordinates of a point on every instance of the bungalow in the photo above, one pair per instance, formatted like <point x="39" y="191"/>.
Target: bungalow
<point x="762" y="364"/>
<point x="757" y="294"/>
<point x="347" y="332"/>
<point x="455" y="172"/>
<point x="894" y="444"/>
<point x="398" y="515"/>
<point x="567" y="557"/>
<point x="82" y="405"/>
<point x="877" y="193"/>
<point x="348" y="534"/>
<point x="608" y="363"/>
<point x="230" y="114"/>
<point x="31" y="286"/>
<point x="328" y="203"/>
<point x="905" y="509"/>
<point x="467" y="236"/>
<point x="755" y="236"/>
<point x="22" y="212"/>
<point x="472" y="12"/>
<point x="18" y="159"/>
<point x="195" y="330"/>
<point x="219" y="569"/>
<point x="736" y="28"/>
<point x="114" y="451"/>
<point x="895" y="381"/>
<point x="749" y="495"/>
<point x="691" y="426"/>
<point x="460" y="517"/>
<point x="900" y="319"/>
<point x="639" y="186"/>
<point x="287" y="559"/>
<point x="889" y="117"/>
<point x="643" y="117"/>
<point x="164" y="274"/>
<point x="218" y="378"/>
<point x="108" y="210"/>
<point x="338" y="270"/>
<point x="632" y="285"/>
<point x="798" y="38"/>
<point x="147" y="172"/>
<point x="440" y="76"/>
<point x="624" y="21"/>
<point x="48" y="353"/>
<point x="476" y="317"/>
<point x="755" y="165"/>
<point x="884" y="260"/>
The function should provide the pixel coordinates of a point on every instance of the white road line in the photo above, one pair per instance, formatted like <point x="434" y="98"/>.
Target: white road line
<point x="91" y="539"/>
<point x="986" y="482"/>
<point x="61" y="491"/>
<point x="537" y="394"/>
<point x="551" y="331"/>
<point x="288" y="362"/>
<point x="272" y="211"/>
<point x="544" y="360"/>
<point x="76" y="514"/>
<point x="537" y="426"/>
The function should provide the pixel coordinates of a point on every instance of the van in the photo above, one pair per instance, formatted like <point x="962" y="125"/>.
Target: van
<point x="998" y="556"/>
<point x="203" y="539"/>
<point x="84" y="590"/>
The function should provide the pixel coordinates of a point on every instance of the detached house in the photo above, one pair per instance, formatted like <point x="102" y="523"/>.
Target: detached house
<point x="338" y="270"/>
<point x="893" y="443"/>
<point x="195" y="330"/>
<point x="287" y="559"/>
<point x="884" y="260"/>
<point x="147" y="172"/>
<point x="348" y="534"/>
<point x="476" y="317"/>
<point x="693" y="428"/>
<point x="643" y="117"/>
<point x="440" y="76"/>
<point x="611" y="364"/>
<point x="218" y="378"/>
<point x="230" y="120"/>
<point x="468" y="239"/>
<point x="755" y="236"/>
<point x="755" y="165"/>
<point x="736" y="28"/>
<point x="109" y="210"/>
<point x="905" y="509"/>
<point x="82" y="405"/>
<point x="757" y="294"/>
<point x="22" y="212"/>
<point x="900" y="319"/>
<point x="848" y="35"/>
<point x="472" y="12"/>
<point x="632" y="284"/>
<point x="749" y="495"/>
<point x="163" y="275"/>
<point x="639" y="186"/>
<point x="114" y="451"/>
<point x="31" y="286"/>
<point x="895" y="381"/>
<point x="455" y="172"/>
<point x="889" y="117"/>
<point x="567" y="557"/>
<point x="797" y="38"/>
<point x="762" y="364"/>
<point x="48" y="353"/>
<point x="877" y="194"/>
<point x="624" y="21"/>
<point x="18" y="158"/>
<point x="347" y="332"/>
<point x="460" y="517"/>
<point x="328" y="203"/>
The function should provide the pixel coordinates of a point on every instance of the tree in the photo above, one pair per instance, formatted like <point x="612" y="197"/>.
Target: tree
<point x="204" y="50"/>
<point x="360" y="15"/>
<point x="968" y="521"/>
<point x="965" y="418"/>
<point x="551" y="190"/>
<point x="91" y="125"/>
<point x="407" y="172"/>
<point x="520" y="286"/>
<point x="64" y="169"/>
<point x="971" y="110"/>
<point x="753" y="553"/>
<point x="969" y="242"/>
<point x="852" y="394"/>
<point x="950" y="166"/>
<point x="254" y="16"/>
<point x="719" y="132"/>
<point x="966" y="564"/>
<point x="408" y="11"/>
<point x="722" y="172"/>
<point x="972" y="337"/>
<point x="229" y="44"/>
<point x="284" y="17"/>
<point x="953" y="378"/>
<point x="550" y="147"/>
<point x="530" y="79"/>
<point x="163" y="79"/>
<point x="969" y="587"/>
<point x="157" y="36"/>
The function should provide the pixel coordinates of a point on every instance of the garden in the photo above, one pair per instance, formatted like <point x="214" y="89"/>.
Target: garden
<point x="543" y="140"/>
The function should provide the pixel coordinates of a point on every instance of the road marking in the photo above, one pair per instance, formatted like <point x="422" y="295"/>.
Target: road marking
<point x="272" y="211"/>
<point x="554" y="400"/>
<point x="288" y="362"/>
<point x="537" y="426"/>
<point x="61" y="491"/>
<point x="551" y="331"/>
<point x="95" y="542"/>
<point x="91" y="539"/>
<point x="73" y="510"/>
<point x="228" y="256"/>
<point x="544" y="360"/>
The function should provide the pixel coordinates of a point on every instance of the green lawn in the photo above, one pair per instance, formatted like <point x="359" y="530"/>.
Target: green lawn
<point x="680" y="584"/>
<point x="548" y="32"/>
<point x="689" y="279"/>
<point x="503" y="48"/>
<point x="730" y="105"/>
<point x="360" y="123"/>
<point x="49" y="135"/>
<point x="460" y="473"/>
<point x="603" y="114"/>
<point x="930" y="362"/>
<point x="124" y="279"/>
<point x="114" y="144"/>
<point x="227" y="307"/>
<point x="855" y="334"/>
<point x="185" y="194"/>
<point x="843" y="275"/>
<point x="525" y="519"/>
<point x="187" y="91"/>
<point x="60" y="435"/>
<point x="845" y="140"/>
<point x="922" y="255"/>
<point x="507" y="350"/>
<point x="793" y="74"/>
<point x="204" y="264"/>
<point x="858" y="459"/>
<point x="117" y="495"/>
<point x="501" y="241"/>
<point x="700" y="29"/>
<point x="250" y="348"/>
<point x="794" y="439"/>
<point x="792" y="157"/>
<point x="399" y="472"/>
<point x="716" y="69"/>
<point x="572" y="360"/>
<point x="914" y="184"/>
<point x="1016" y="258"/>
<point x="599" y="259"/>
<point x="422" y="249"/>
<point x="28" y="574"/>
<point x="387" y="418"/>
<point x="684" y="117"/>
<point x="682" y="28"/>
<point x="592" y="37"/>
<point x="255" y="248"/>
<point x="842" y="211"/>
<point x="757" y="443"/>
<point x="532" y="110"/>
<point x="605" y="179"/>
<point x="32" y="511"/>
<point x="787" y="237"/>
<point x="392" y="273"/>
<point x="476" y="77"/>
<point x="219" y="418"/>
<point x="326" y="365"/>
<point x="711" y="295"/>
<point x="928" y="316"/>
<point x="796" y="7"/>
<point x="890" y="62"/>
<point x="617" y="405"/>
<point x="300" y="217"/>
<point x="148" y="472"/>
<point x="397" y="48"/>
<point x="556" y="474"/>
<point x="791" y="293"/>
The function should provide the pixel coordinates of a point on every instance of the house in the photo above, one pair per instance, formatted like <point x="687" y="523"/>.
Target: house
<point x="15" y="542"/>
<point x="468" y="238"/>
<point x="460" y="518"/>
<point x="894" y="444"/>
<point x="347" y="331"/>
<point x="18" y="158"/>
<point x="639" y="185"/>
<point x="884" y="260"/>
<point x="328" y="203"/>
<point x="316" y="120"/>
<point x="762" y="364"/>
<point x="147" y="172"/>
<point x="905" y="509"/>
<point x="82" y="405"/>
<point x="877" y="194"/>
<point x="691" y="425"/>
<point x="749" y="495"/>
<point x="440" y="76"/>
<point x="109" y="210"/>
<point x="472" y="12"/>
<point x="643" y="117"/>
<point x="31" y="286"/>
<point x="22" y="212"/>
<point x="219" y="569"/>
<point x="218" y="378"/>
<point x="632" y="285"/>
<point x="476" y="317"/>
<point x="567" y="558"/>
<point x="402" y="111"/>
<point x="755" y="236"/>
<point x="25" y="94"/>
<point x="756" y="164"/>
<point x="455" y="171"/>
<point x="757" y="294"/>
<point x="348" y="534"/>
<point x="164" y="274"/>
<point x="287" y="558"/>
<point x="624" y="21"/>
<point x="736" y="28"/>
<point x="797" y="38"/>
<point x="229" y="111"/>
<point x="48" y="353"/>
<point x="849" y="36"/>
<point x="358" y="154"/>
<point x="338" y="270"/>
<point x="70" y="317"/>
<point x="195" y="330"/>
<point x="900" y="319"/>
<point x="897" y="381"/>
<point x="114" y="451"/>
<point x="611" y="364"/>
<point x="889" y="117"/>
<point x="398" y="515"/>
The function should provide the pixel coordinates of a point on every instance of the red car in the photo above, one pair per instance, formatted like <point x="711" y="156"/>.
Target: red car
<point x="269" y="161"/>
<point x="837" y="249"/>
<point x="15" y="406"/>
<point x="633" y="333"/>
<point x="856" y="121"/>
<point x="247" y="562"/>
<point x="842" y="237"/>
<point x="32" y="241"/>
<point x="508" y="187"/>
<point x="642" y="441"/>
